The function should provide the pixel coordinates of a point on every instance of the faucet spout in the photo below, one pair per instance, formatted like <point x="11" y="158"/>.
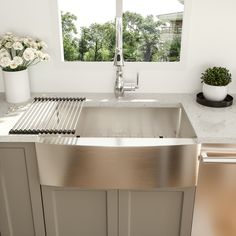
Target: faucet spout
<point x="120" y="85"/>
<point x="119" y="59"/>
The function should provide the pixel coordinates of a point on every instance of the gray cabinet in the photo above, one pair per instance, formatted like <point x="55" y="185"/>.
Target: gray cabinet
<point x="20" y="204"/>
<point x="28" y="209"/>
<point x="78" y="212"/>
<point x="163" y="212"/>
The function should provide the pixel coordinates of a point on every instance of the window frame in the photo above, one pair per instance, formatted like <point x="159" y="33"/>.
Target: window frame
<point x="102" y="65"/>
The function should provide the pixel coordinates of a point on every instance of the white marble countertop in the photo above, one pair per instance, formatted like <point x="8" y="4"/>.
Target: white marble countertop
<point x="211" y="124"/>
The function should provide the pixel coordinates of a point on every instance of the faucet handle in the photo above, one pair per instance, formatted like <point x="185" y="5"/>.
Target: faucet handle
<point x="132" y="86"/>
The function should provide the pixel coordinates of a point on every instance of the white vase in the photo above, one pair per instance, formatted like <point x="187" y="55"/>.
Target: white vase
<point x="214" y="93"/>
<point x="17" y="86"/>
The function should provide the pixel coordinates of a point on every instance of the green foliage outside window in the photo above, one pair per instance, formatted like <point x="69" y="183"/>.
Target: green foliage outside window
<point x="141" y="40"/>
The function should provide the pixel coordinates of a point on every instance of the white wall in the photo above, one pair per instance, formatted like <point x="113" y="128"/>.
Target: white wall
<point x="209" y="40"/>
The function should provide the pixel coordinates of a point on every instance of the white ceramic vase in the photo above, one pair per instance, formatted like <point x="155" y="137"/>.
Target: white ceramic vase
<point x="214" y="93"/>
<point x="17" y="86"/>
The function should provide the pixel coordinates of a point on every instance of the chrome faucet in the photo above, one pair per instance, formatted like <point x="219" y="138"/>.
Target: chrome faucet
<point x="120" y="85"/>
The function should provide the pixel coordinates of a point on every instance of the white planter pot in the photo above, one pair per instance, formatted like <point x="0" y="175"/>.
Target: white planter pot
<point x="214" y="93"/>
<point x="17" y="87"/>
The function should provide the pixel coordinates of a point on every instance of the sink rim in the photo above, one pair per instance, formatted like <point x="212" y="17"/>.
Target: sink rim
<point x="117" y="142"/>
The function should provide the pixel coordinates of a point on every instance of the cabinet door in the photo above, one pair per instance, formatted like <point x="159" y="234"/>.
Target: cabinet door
<point x="156" y="213"/>
<point x="75" y="212"/>
<point x="15" y="203"/>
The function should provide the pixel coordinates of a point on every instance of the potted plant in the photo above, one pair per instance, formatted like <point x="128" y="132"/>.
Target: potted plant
<point x="215" y="83"/>
<point x="16" y="55"/>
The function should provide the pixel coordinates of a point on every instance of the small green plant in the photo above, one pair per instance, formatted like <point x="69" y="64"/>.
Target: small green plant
<point x="216" y="76"/>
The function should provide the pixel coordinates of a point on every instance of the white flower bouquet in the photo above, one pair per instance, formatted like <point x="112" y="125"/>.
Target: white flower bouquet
<point x="18" y="53"/>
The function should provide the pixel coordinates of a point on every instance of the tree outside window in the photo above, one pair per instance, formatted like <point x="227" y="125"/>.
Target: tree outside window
<point x="146" y="38"/>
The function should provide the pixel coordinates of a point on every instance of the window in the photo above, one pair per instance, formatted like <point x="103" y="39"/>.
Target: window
<point x="152" y="29"/>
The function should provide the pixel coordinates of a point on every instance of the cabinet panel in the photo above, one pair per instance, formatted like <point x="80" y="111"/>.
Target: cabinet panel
<point x="76" y="212"/>
<point x="154" y="213"/>
<point x="16" y="214"/>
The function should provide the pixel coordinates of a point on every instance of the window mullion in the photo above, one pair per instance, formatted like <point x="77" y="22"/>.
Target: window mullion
<point x="119" y="8"/>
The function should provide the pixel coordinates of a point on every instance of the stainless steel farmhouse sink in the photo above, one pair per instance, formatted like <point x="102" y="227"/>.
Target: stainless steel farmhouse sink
<point x="123" y="148"/>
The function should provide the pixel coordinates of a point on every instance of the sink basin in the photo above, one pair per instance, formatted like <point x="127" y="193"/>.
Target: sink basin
<point x="134" y="122"/>
<point x="123" y="148"/>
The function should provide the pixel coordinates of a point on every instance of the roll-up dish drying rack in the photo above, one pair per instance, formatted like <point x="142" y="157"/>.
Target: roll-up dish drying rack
<point x="50" y="116"/>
